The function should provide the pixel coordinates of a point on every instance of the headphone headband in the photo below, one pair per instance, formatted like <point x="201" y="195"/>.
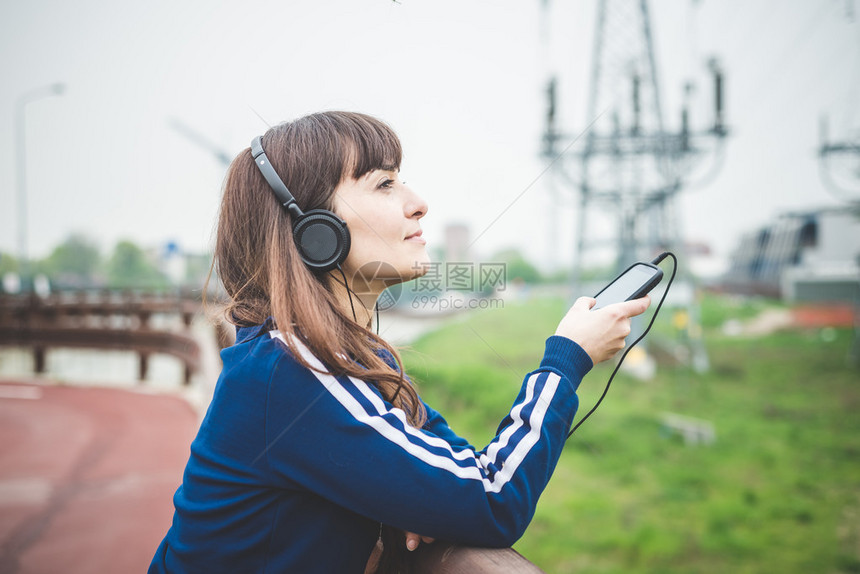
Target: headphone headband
<point x="275" y="182"/>
<point x="322" y="238"/>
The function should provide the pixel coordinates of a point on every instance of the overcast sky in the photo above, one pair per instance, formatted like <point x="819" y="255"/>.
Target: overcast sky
<point x="461" y="82"/>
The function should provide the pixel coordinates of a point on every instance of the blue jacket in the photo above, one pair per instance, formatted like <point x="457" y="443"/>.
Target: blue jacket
<point x="294" y="470"/>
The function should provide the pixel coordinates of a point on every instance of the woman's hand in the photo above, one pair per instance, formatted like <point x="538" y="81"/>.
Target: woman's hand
<point x="600" y="333"/>
<point x="413" y="540"/>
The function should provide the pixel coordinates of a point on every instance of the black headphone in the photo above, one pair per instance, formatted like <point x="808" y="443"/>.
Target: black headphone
<point x="322" y="237"/>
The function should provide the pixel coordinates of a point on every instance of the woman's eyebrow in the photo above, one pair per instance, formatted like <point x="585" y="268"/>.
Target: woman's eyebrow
<point x="395" y="169"/>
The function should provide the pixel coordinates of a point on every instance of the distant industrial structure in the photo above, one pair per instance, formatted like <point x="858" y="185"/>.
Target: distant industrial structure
<point x="812" y="256"/>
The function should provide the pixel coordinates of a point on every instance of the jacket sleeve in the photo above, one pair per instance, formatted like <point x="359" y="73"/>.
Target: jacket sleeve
<point x="337" y="437"/>
<point x="436" y="425"/>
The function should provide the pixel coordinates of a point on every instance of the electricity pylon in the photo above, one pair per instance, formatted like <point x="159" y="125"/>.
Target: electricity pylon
<point x="628" y="165"/>
<point x="839" y="162"/>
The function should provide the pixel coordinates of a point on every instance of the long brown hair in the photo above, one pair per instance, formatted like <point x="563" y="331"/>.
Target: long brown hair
<point x="259" y="266"/>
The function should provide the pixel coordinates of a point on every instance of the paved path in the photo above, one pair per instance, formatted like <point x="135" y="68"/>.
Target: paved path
<point x="87" y="476"/>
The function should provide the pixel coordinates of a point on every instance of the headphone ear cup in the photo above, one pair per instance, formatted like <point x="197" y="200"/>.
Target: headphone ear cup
<point x="322" y="239"/>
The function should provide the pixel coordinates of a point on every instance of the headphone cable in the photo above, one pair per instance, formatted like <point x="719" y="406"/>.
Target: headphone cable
<point x="377" y="316"/>
<point x="655" y="261"/>
<point x="351" y="305"/>
<point x="348" y="292"/>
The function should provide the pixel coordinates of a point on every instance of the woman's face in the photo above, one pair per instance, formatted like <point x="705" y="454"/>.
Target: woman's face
<point x="383" y="216"/>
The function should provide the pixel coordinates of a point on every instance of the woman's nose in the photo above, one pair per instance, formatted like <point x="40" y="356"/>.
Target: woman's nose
<point x="415" y="205"/>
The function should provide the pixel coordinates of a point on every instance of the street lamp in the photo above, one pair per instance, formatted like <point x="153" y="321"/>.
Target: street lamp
<point x="21" y="145"/>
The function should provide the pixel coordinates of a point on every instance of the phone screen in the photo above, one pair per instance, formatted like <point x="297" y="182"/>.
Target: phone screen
<point x="636" y="281"/>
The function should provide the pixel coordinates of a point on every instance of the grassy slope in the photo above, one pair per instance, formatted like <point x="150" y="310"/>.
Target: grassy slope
<point x="779" y="491"/>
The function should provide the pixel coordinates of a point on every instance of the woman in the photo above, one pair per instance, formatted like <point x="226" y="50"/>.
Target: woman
<point x="315" y="438"/>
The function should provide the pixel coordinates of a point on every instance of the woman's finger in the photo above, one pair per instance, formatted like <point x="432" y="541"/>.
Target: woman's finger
<point x="413" y="540"/>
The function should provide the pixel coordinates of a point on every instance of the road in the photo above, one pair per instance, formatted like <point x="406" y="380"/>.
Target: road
<point x="87" y="475"/>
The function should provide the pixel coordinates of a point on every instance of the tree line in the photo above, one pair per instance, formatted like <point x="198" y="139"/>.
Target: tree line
<point x="79" y="263"/>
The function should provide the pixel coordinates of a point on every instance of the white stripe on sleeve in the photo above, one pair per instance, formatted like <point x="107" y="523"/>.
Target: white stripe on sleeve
<point x="399" y="436"/>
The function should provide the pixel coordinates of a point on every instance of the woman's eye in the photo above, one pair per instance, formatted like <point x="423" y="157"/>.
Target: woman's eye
<point x="386" y="184"/>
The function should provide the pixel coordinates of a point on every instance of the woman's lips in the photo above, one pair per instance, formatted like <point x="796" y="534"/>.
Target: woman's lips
<point x="416" y="237"/>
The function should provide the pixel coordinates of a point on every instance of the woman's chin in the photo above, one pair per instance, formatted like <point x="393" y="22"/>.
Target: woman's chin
<point x="419" y="268"/>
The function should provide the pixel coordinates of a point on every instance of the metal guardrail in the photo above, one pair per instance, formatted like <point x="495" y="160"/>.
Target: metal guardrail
<point x="99" y="304"/>
<point x="80" y="320"/>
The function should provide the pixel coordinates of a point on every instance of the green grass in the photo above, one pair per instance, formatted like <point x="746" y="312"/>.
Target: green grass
<point x="779" y="490"/>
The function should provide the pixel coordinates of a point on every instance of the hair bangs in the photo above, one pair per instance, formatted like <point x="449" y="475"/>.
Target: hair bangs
<point x="374" y="145"/>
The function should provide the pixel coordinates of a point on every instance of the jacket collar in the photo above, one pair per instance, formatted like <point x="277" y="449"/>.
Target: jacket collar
<point x="244" y="334"/>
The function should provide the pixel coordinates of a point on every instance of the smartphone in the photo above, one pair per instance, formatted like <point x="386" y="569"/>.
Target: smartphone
<point x="636" y="281"/>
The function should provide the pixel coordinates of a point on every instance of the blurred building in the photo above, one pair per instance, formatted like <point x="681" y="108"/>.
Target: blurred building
<point x="809" y="256"/>
<point x="457" y="242"/>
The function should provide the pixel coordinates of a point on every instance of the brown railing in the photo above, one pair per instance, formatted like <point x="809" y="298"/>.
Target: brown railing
<point x="100" y="320"/>
<point x="450" y="559"/>
<point x="445" y="558"/>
